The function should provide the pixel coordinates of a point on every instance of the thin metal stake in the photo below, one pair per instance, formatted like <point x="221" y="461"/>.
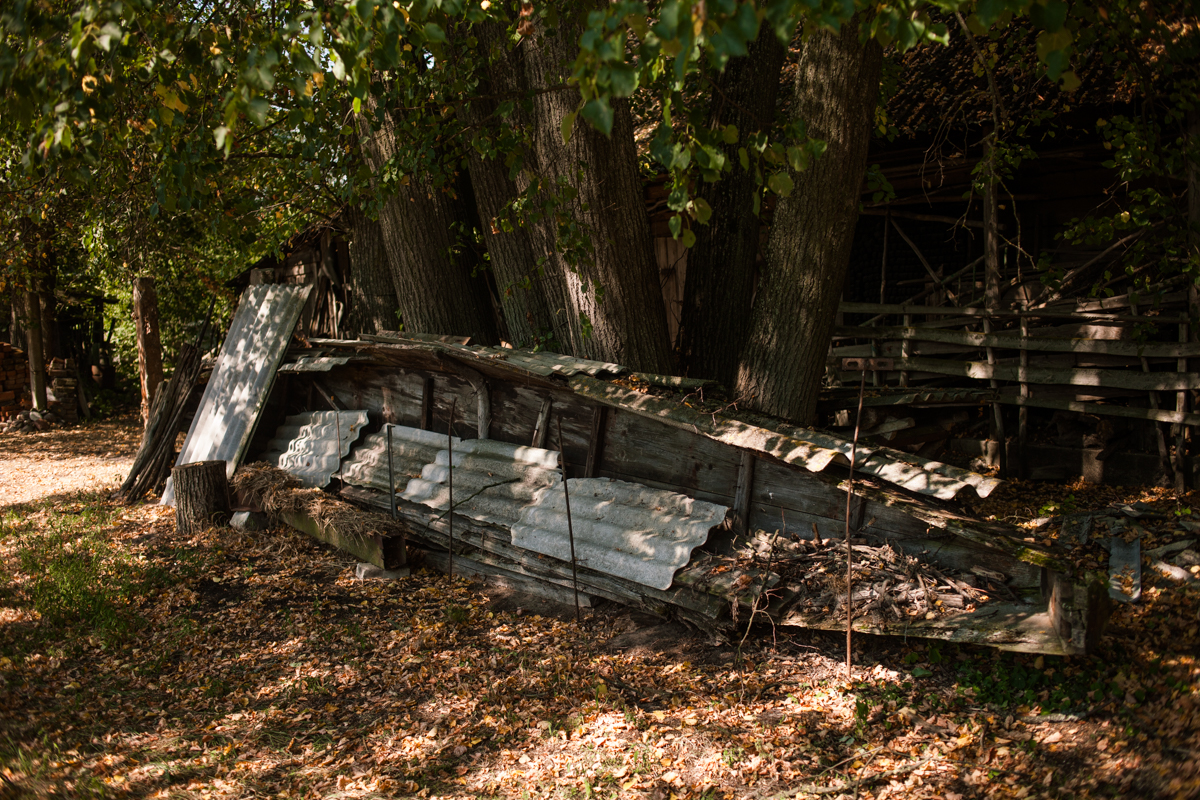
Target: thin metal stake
<point x="562" y="461"/>
<point x="450" y="451"/>
<point x="862" y="385"/>
<point x="391" y="471"/>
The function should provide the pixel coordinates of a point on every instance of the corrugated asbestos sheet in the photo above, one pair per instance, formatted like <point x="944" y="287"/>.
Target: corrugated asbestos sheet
<point x="493" y="481"/>
<point x="624" y="529"/>
<point x="311" y="446"/>
<point x="242" y="376"/>
<point x="316" y="363"/>
<point x="412" y="449"/>
<point x="544" y="364"/>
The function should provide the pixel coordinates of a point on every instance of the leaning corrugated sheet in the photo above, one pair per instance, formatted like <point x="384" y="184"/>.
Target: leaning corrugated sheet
<point x="624" y="529"/>
<point x="242" y="377"/>
<point x="311" y="446"/>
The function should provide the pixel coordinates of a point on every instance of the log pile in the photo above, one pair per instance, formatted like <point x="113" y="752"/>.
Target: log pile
<point x="14" y="380"/>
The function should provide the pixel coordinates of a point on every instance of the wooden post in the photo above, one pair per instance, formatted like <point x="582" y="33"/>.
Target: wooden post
<point x="905" y="349"/>
<point x="483" y="405"/>
<point x="543" y="423"/>
<point x="997" y="411"/>
<point x="427" y="404"/>
<point x="149" y="345"/>
<point x="991" y="272"/>
<point x="201" y="496"/>
<point x="33" y="340"/>
<point x="1023" y="411"/>
<point x="1164" y="451"/>
<point x="596" y="442"/>
<point x="741" y="498"/>
<point x="1181" y="365"/>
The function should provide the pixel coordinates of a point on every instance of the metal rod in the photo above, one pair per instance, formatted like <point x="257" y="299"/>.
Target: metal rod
<point x="391" y="471"/>
<point x="562" y="462"/>
<point x="450" y="480"/>
<point x="862" y="385"/>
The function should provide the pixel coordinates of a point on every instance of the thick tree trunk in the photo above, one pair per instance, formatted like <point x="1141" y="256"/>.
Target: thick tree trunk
<point x="598" y="240"/>
<point x="719" y="287"/>
<point x="837" y="87"/>
<point x="33" y="340"/>
<point x="48" y="309"/>
<point x="149" y="344"/>
<point x="523" y="286"/>
<point x="373" y="302"/>
<point x="201" y="496"/>
<point x="431" y="270"/>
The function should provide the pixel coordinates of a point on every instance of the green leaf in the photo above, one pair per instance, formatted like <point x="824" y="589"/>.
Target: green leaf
<point x="357" y="105"/>
<point x="689" y="238"/>
<point x="780" y="183"/>
<point x="729" y="134"/>
<point x="744" y="158"/>
<point x="223" y="141"/>
<point x="568" y="123"/>
<point x="600" y="114"/>
<point x="257" y="109"/>
<point x="701" y="209"/>
<point x="798" y="158"/>
<point x="434" y="32"/>
<point x="675" y="223"/>
<point x="921" y="672"/>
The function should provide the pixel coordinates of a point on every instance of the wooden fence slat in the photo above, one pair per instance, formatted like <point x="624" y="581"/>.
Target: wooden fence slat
<point x="1113" y="347"/>
<point x="966" y="311"/>
<point x="1112" y="379"/>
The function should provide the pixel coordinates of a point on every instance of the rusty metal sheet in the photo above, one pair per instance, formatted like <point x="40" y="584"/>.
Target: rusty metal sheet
<point x="242" y="376"/>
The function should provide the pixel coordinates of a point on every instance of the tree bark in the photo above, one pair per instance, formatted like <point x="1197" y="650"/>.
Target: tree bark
<point x="149" y="344"/>
<point x="33" y="340"/>
<point x="836" y="90"/>
<point x="719" y="287"/>
<point x="201" y="496"/>
<point x="431" y="271"/>
<point x="598" y="238"/>
<point x="373" y="303"/>
<point x="48" y="310"/>
<point x="523" y="286"/>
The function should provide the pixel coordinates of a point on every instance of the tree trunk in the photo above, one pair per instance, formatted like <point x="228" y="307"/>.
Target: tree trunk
<point x="149" y="345"/>
<point x="837" y="87"/>
<point x="431" y="270"/>
<point x="48" y="310"/>
<point x="201" y="496"/>
<point x="37" y="361"/>
<point x="373" y="302"/>
<point x="598" y="239"/>
<point x="523" y="285"/>
<point x="719" y="287"/>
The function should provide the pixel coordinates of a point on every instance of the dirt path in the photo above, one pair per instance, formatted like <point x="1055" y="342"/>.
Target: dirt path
<point x="65" y="461"/>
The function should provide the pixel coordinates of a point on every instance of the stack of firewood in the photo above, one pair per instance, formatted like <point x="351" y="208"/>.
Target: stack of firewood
<point x="64" y="385"/>
<point x="14" y="380"/>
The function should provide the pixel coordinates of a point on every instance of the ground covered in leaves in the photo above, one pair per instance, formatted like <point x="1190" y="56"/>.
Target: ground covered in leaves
<point x="138" y="663"/>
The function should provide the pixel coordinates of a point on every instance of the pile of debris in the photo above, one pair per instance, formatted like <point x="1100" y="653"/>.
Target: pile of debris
<point x="887" y="584"/>
<point x="31" y="421"/>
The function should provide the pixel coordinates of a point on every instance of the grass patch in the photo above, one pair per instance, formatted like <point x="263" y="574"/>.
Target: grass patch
<point x="73" y="572"/>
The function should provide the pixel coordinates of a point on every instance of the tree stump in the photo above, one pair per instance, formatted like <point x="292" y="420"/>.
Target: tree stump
<point x="201" y="496"/>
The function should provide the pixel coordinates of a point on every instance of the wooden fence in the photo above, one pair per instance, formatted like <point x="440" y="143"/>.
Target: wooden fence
<point x="1106" y="357"/>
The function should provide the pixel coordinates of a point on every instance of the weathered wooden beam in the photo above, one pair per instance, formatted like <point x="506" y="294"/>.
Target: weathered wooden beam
<point x="427" y="397"/>
<point x="1108" y="378"/>
<point x="543" y="423"/>
<point x="596" y="442"/>
<point x="1159" y="415"/>
<point x="971" y="339"/>
<point x="741" y="498"/>
<point x="965" y="311"/>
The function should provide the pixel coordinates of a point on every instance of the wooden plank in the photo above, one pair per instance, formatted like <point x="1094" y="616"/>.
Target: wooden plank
<point x="977" y="370"/>
<point x="543" y="422"/>
<point x="644" y="450"/>
<point x="1026" y="342"/>
<point x="389" y="413"/>
<point x="596" y="442"/>
<point x="745" y="486"/>
<point x="1158" y="415"/>
<point x="372" y="548"/>
<point x="883" y="308"/>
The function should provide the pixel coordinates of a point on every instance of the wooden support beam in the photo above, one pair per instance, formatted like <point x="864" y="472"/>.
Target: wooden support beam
<point x="543" y="422"/>
<point x="596" y="442"/>
<point x="483" y="406"/>
<point x="389" y="406"/>
<point x="427" y="389"/>
<point x="745" y="488"/>
<point x="1039" y="344"/>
